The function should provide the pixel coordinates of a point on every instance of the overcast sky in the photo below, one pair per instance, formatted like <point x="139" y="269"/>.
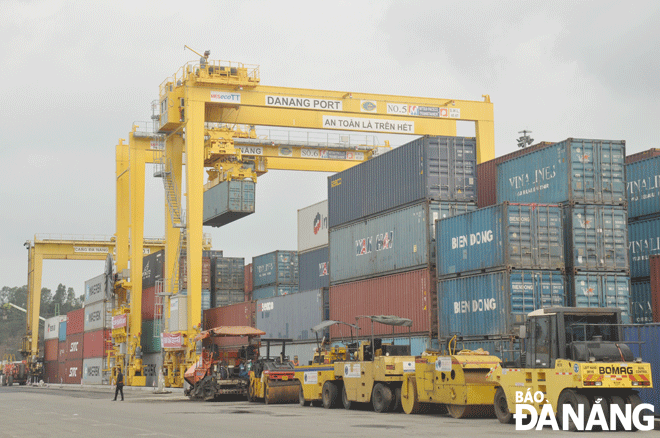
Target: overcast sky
<point x="76" y="75"/>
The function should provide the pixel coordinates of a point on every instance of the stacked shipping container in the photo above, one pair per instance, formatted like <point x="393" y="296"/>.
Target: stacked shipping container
<point x="313" y="247"/>
<point x="54" y="330"/>
<point x="643" y="184"/>
<point x="153" y="274"/>
<point x="382" y="234"/>
<point x="274" y="274"/>
<point x="227" y="281"/>
<point x="587" y="177"/>
<point x="73" y="351"/>
<point x="97" y="329"/>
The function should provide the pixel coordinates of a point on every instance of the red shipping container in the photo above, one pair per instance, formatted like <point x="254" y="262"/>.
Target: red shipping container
<point x="75" y="322"/>
<point x="487" y="174"/>
<point x="61" y="352"/>
<point x="61" y="372"/>
<point x="95" y="344"/>
<point x="148" y="303"/>
<point x="73" y="371"/>
<point x="408" y="295"/>
<point x="51" y="368"/>
<point x="74" y="347"/>
<point x="654" y="261"/>
<point x="248" y="280"/>
<point x="51" y="349"/>
<point x="639" y="156"/>
<point x="240" y="314"/>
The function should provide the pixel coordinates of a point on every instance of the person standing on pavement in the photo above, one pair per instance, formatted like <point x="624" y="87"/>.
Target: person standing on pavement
<point x="120" y="386"/>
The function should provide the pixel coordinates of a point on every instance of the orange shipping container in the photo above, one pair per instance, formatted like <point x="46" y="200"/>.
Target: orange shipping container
<point x="75" y="322"/>
<point x="95" y="343"/>
<point x="51" y="348"/>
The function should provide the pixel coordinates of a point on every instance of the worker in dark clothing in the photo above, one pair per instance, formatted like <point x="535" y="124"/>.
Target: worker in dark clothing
<point x="120" y="386"/>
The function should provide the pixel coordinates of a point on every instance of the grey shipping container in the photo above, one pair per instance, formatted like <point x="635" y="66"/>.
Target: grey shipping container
<point x="95" y="289"/>
<point x="440" y="168"/>
<point x="278" y="267"/>
<point x="600" y="289"/>
<point x="228" y="273"/>
<point x="574" y="170"/>
<point x="98" y="316"/>
<point x="313" y="269"/>
<point x="513" y="236"/>
<point x="641" y="311"/>
<point x="274" y="291"/>
<point x="212" y="253"/>
<point x="395" y="241"/>
<point x="596" y="238"/>
<point x="93" y="373"/>
<point x="153" y="269"/>
<point x="643" y="183"/>
<point x="291" y="316"/>
<point x="228" y="201"/>
<point x="644" y="341"/>
<point x="224" y="297"/>
<point x="494" y="304"/>
<point x="643" y="242"/>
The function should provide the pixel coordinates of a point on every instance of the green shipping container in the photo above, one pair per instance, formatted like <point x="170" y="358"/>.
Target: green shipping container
<point x="150" y="343"/>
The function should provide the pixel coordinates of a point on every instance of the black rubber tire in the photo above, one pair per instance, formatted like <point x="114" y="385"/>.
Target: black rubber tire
<point x="250" y="393"/>
<point x="570" y="397"/>
<point x="396" y="400"/>
<point x="605" y="405"/>
<point x="301" y="398"/>
<point x="634" y="400"/>
<point x="621" y="403"/>
<point x="266" y="395"/>
<point x="381" y="397"/>
<point x="344" y="398"/>
<point x="10" y="380"/>
<point x="329" y="395"/>
<point x="501" y="406"/>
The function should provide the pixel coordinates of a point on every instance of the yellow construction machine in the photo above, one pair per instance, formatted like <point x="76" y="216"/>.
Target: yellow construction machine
<point x="457" y="381"/>
<point x="571" y="359"/>
<point x="317" y="378"/>
<point x="272" y="378"/>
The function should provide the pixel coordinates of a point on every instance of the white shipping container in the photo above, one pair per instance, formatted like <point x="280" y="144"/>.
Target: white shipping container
<point x="95" y="289"/>
<point x="52" y="327"/>
<point x="93" y="373"/>
<point x="98" y="316"/>
<point x="313" y="226"/>
<point x="178" y="313"/>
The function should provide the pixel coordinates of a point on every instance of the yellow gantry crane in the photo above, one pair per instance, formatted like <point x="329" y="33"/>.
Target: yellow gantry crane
<point x="201" y="107"/>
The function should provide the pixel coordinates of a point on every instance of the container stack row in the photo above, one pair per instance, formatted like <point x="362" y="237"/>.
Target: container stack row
<point x="97" y="334"/>
<point x="153" y="274"/>
<point x="274" y="274"/>
<point x="643" y="187"/>
<point x="227" y="281"/>
<point x="382" y="236"/>
<point x="54" y="348"/>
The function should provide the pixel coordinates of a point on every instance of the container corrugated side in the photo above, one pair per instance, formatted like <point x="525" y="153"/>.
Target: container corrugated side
<point x="440" y="168"/>
<point x="98" y="316"/>
<point x="248" y="284"/>
<point x="291" y="316"/>
<point x="408" y="295"/>
<point x="74" y="346"/>
<point x="178" y="313"/>
<point x="654" y="262"/>
<point x="153" y="268"/>
<point x="643" y="183"/>
<point x="278" y="267"/>
<point x="62" y="351"/>
<point x="149" y="342"/>
<point x="643" y="242"/>
<point x="487" y="174"/>
<point x="95" y="344"/>
<point x="228" y="273"/>
<point x="73" y="371"/>
<point x="227" y="297"/>
<point x="228" y="201"/>
<point x="313" y="226"/>
<point x="206" y="272"/>
<point x="641" y="310"/>
<point x="493" y="304"/>
<point x="273" y="291"/>
<point x="575" y="170"/>
<point x="52" y="327"/>
<point x="149" y="303"/>
<point x="513" y="236"/>
<point x="92" y="372"/>
<point x="650" y="153"/>
<point x="62" y="335"/>
<point x="50" y="349"/>
<point x="241" y="314"/>
<point x="600" y="289"/>
<point x="648" y="349"/>
<point x="75" y="322"/>
<point x="313" y="269"/>
<point x="596" y="238"/>
<point x="51" y="369"/>
<point x="95" y="289"/>
<point x="61" y="372"/>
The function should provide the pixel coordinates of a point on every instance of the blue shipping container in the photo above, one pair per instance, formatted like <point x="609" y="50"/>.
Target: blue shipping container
<point x="600" y="289"/>
<point x="228" y="201"/>
<point x="596" y="238"/>
<point x="643" y="242"/>
<point x="313" y="269"/>
<point x="395" y="241"/>
<point x="62" y="331"/>
<point x="494" y="304"/>
<point x="278" y="267"/>
<point x="574" y="170"/>
<point x="273" y="291"/>
<point x="514" y="236"/>
<point x="643" y="181"/>
<point x="439" y="168"/>
<point x="649" y="351"/>
<point x="641" y="311"/>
